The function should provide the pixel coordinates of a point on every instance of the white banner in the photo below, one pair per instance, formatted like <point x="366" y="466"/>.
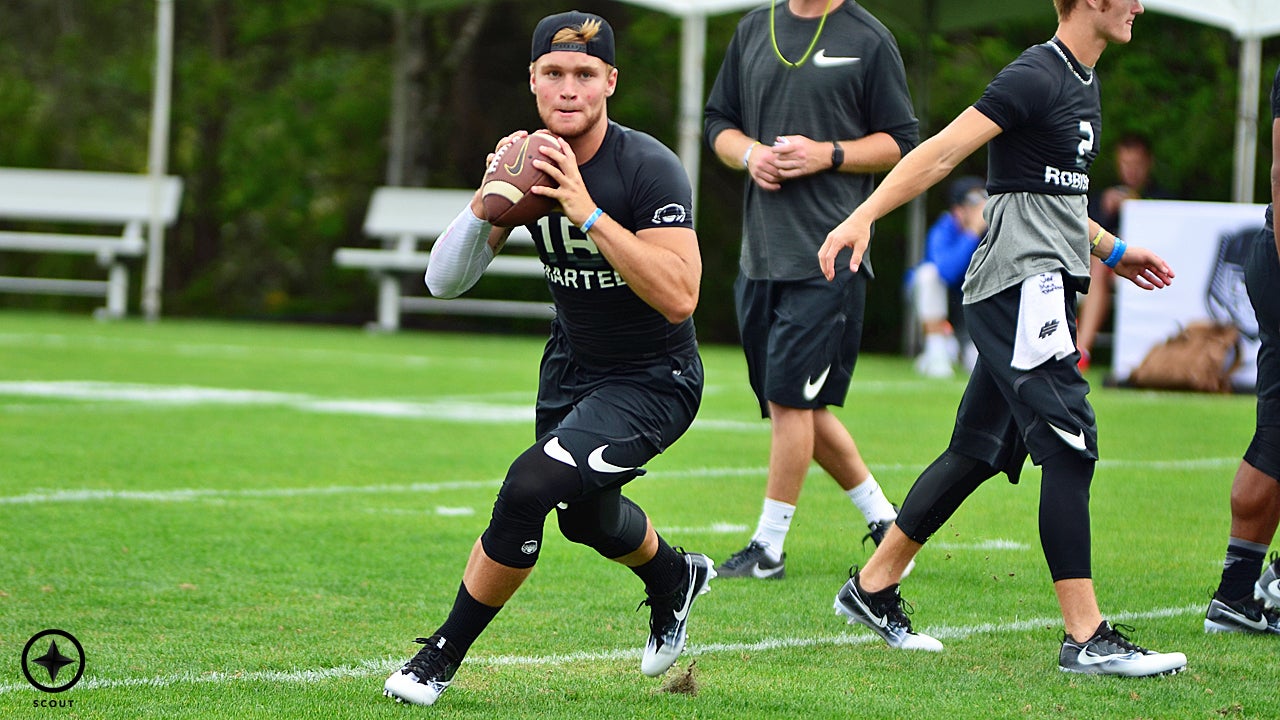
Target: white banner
<point x="1202" y="242"/>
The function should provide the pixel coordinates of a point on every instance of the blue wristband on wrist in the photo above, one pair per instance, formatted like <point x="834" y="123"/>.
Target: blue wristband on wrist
<point x="591" y="220"/>
<point x="1117" y="252"/>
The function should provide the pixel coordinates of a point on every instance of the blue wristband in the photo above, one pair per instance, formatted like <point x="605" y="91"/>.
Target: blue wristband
<point x="591" y="220"/>
<point x="1117" y="252"/>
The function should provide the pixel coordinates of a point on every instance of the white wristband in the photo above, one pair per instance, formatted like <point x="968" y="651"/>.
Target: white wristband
<point x="747" y="155"/>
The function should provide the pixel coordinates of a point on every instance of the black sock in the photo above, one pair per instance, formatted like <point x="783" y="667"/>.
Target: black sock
<point x="1241" y="568"/>
<point x="468" y="618"/>
<point x="664" y="573"/>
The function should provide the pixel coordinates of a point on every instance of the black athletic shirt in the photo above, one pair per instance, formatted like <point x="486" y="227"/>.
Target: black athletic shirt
<point x="641" y="184"/>
<point x="1275" y="115"/>
<point x="1058" y="118"/>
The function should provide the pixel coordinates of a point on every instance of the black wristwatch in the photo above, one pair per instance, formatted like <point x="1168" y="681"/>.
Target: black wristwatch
<point x="837" y="155"/>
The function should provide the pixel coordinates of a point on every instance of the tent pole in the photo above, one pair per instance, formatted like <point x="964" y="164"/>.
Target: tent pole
<point x="693" y="47"/>
<point x="157" y="159"/>
<point x="1247" y="120"/>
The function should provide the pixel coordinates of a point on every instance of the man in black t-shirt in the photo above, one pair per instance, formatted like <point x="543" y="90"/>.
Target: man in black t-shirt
<point x="1041" y="118"/>
<point x="1245" y="601"/>
<point x="620" y="379"/>
<point x="811" y="101"/>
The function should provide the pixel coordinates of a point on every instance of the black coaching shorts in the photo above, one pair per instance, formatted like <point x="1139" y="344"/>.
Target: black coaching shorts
<point x="1262" y="280"/>
<point x="1045" y="408"/>
<point x="612" y="420"/>
<point x="801" y="337"/>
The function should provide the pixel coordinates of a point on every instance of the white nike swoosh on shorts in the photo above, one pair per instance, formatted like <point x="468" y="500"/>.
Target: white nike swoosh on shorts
<point x="1076" y="441"/>
<point x="813" y="387"/>
<point x="556" y="451"/>
<point x="596" y="462"/>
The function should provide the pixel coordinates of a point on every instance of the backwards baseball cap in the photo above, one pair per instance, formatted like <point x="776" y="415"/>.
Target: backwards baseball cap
<point x="967" y="190"/>
<point x="601" y="45"/>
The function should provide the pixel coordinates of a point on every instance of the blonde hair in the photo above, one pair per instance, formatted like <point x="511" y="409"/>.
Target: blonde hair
<point x="581" y="34"/>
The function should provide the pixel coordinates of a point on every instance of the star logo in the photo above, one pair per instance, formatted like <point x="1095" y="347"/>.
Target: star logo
<point x="51" y="661"/>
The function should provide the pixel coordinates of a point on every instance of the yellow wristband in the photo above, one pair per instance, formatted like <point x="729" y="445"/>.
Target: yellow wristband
<point x="1097" y="238"/>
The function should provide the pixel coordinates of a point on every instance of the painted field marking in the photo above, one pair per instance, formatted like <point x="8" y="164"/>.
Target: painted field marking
<point x="374" y="668"/>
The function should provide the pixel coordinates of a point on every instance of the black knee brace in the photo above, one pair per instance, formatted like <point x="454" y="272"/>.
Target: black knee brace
<point x="607" y="522"/>
<point x="535" y="483"/>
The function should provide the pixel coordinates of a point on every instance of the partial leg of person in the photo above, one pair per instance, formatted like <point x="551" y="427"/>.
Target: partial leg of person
<point x="1244" y="601"/>
<point x="1039" y="378"/>
<point x="837" y="454"/>
<point x="619" y="530"/>
<point x="625" y="419"/>
<point x="929" y="294"/>
<point x="1094" y="311"/>
<point x="801" y="341"/>
<point x="871" y="595"/>
<point x="499" y="563"/>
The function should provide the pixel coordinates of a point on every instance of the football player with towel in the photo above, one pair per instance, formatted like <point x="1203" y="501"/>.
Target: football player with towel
<point x="1041" y="119"/>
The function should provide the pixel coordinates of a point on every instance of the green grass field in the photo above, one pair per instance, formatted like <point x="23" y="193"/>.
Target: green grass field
<point x="250" y="521"/>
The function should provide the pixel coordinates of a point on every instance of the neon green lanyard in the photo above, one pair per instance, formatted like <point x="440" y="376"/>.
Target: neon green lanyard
<point x="773" y="35"/>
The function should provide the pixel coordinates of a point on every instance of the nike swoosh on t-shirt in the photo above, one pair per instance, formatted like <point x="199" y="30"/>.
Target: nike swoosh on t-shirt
<point x="822" y="60"/>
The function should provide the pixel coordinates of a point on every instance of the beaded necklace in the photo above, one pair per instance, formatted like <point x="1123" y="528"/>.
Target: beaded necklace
<point x="773" y="35"/>
<point x="1070" y="65"/>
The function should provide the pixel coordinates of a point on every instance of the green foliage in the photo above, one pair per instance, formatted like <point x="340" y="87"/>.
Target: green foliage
<point x="281" y="113"/>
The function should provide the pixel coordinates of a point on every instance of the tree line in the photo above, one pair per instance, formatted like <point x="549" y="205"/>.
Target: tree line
<point x="287" y="114"/>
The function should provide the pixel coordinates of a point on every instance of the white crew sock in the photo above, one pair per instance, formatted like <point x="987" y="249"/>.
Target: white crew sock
<point x="870" y="499"/>
<point x="775" y="521"/>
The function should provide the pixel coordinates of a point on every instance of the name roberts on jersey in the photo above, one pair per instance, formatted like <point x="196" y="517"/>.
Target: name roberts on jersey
<point x="1066" y="178"/>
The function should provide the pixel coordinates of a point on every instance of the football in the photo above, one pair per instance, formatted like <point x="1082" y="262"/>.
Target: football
<point x="505" y="191"/>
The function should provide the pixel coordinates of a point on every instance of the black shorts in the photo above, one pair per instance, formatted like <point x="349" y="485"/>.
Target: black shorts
<point x="612" y="420"/>
<point x="1004" y="409"/>
<point x="1262" y="278"/>
<point x="801" y="337"/>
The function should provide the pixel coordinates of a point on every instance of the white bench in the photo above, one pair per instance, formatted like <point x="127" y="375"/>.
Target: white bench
<point x="399" y="217"/>
<point x="97" y="199"/>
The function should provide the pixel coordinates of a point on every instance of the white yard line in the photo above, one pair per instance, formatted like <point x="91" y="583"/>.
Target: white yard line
<point x="374" y="668"/>
<point x="42" y="496"/>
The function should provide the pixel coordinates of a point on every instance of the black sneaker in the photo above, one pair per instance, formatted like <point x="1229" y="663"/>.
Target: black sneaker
<point x="876" y="535"/>
<point x="878" y="530"/>
<point x="1246" y="615"/>
<point x="753" y="561"/>
<point x="885" y="612"/>
<point x="1110" y="652"/>
<point x="669" y="615"/>
<point x="424" y="678"/>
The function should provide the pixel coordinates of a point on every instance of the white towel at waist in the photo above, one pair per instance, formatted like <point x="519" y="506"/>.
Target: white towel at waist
<point x="1042" y="322"/>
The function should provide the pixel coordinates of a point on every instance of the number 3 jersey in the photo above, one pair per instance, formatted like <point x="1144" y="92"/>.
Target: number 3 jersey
<point x="641" y="184"/>
<point x="1049" y="110"/>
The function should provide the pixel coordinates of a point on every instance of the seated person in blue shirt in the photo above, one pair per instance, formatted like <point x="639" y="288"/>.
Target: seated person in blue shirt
<point x="935" y="283"/>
